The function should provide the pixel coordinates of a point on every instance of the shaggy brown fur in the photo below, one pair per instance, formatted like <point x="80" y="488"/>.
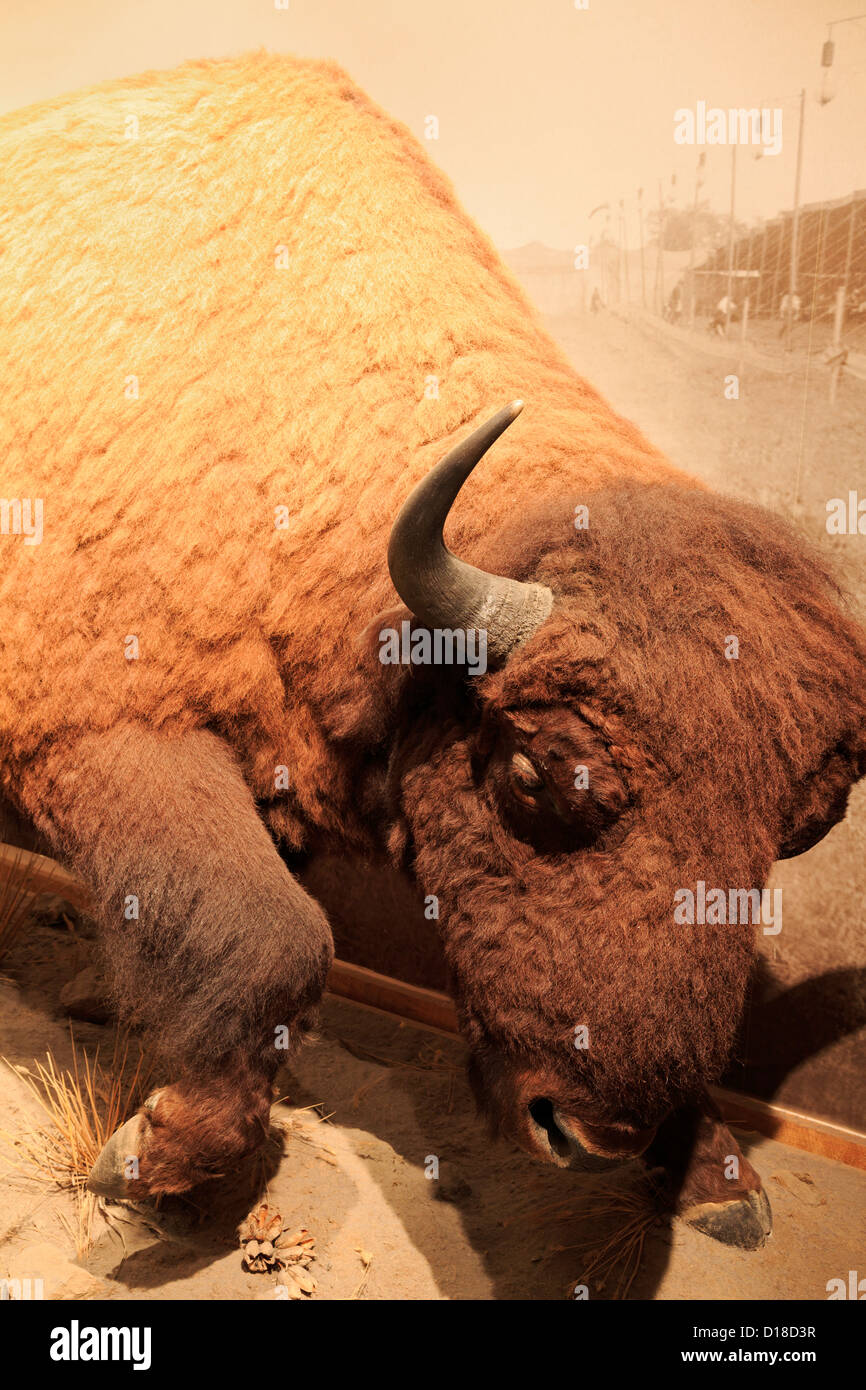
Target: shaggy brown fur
<point x="707" y="767"/>
<point x="243" y="308"/>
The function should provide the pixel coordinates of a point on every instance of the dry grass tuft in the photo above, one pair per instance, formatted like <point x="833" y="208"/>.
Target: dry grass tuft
<point x="83" y="1106"/>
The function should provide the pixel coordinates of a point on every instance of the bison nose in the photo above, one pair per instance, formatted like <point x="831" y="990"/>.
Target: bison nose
<point x="569" y="1143"/>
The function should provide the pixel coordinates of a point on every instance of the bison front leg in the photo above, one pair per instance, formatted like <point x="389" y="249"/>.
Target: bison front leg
<point x="214" y="947"/>
<point x="708" y="1182"/>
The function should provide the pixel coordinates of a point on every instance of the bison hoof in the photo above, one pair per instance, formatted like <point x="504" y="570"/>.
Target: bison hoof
<point x="744" y="1223"/>
<point x="115" y="1173"/>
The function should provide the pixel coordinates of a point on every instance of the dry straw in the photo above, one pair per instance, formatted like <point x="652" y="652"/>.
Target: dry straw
<point x="83" y="1105"/>
<point x="612" y="1262"/>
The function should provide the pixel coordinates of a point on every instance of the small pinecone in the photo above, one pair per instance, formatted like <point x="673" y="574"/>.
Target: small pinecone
<point x="268" y="1248"/>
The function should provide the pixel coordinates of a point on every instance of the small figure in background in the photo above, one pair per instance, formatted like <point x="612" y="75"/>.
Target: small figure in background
<point x="792" y="302"/>
<point x="725" y="309"/>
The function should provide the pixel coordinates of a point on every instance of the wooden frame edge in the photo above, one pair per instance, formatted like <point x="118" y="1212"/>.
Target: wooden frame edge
<point x="432" y="1009"/>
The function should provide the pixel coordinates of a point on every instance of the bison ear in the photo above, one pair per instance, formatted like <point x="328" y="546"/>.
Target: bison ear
<point x="390" y="620"/>
<point x="823" y="800"/>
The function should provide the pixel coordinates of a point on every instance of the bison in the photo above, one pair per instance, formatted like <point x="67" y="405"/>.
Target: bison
<point x="252" y="352"/>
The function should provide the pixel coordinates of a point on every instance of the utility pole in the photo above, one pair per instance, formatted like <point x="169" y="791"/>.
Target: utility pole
<point x="848" y="253"/>
<point x="837" y="355"/>
<point x="660" y="274"/>
<point x="765" y="237"/>
<point x="701" y="161"/>
<point x="744" y="323"/>
<point x="795" y="227"/>
<point x="731" y="237"/>
<point x="642" y="260"/>
<point x="624" y="242"/>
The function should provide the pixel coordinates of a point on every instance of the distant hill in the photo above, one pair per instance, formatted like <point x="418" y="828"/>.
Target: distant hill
<point x="535" y="256"/>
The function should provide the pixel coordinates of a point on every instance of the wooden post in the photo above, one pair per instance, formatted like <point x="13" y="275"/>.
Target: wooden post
<point x="849" y="247"/>
<point x="777" y="271"/>
<point x="701" y="159"/>
<point x="759" y="302"/>
<point x="795" y="227"/>
<point x="660" y="275"/>
<point x="836" y="368"/>
<point x="730" y="288"/>
<point x="743" y="336"/>
<point x="623" y="231"/>
<point x="642" y="260"/>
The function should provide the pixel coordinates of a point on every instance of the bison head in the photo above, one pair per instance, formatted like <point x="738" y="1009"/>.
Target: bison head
<point x="675" y="700"/>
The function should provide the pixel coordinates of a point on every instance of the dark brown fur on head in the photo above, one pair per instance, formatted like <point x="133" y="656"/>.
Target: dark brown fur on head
<point x="701" y="767"/>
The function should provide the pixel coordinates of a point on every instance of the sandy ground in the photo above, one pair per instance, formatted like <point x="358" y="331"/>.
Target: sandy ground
<point x="368" y="1106"/>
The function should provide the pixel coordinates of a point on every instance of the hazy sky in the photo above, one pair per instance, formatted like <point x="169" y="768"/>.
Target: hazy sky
<point x="545" y="110"/>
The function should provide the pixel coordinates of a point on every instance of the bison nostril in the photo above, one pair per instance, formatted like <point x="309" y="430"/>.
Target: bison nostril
<point x="541" y="1111"/>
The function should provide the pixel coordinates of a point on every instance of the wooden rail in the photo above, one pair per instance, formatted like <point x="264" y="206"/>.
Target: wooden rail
<point x="433" y="1009"/>
<point x="37" y="874"/>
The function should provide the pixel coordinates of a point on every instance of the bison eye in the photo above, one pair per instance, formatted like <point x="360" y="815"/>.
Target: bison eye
<point x="524" y="780"/>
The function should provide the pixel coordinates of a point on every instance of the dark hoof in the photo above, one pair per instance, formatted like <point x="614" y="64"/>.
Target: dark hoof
<point x="114" y="1174"/>
<point x="744" y="1223"/>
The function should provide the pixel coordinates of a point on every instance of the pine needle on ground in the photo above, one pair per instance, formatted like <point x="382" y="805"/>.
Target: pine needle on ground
<point x="612" y="1261"/>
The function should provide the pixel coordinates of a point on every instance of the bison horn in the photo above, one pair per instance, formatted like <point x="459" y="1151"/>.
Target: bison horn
<point x="437" y="587"/>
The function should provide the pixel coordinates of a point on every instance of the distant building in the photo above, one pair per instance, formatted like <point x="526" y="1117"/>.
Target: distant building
<point x="831" y="252"/>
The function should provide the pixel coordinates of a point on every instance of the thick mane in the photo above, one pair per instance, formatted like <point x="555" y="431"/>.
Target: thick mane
<point x="643" y="625"/>
<point x="729" y="760"/>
